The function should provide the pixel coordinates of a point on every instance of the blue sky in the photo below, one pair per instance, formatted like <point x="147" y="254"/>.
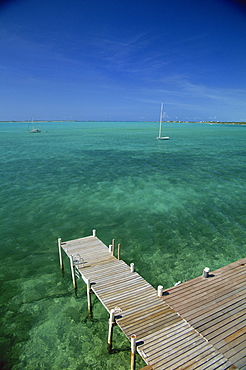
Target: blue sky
<point x="118" y="60"/>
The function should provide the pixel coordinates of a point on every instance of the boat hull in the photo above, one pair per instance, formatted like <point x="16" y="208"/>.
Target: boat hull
<point x="35" y="130"/>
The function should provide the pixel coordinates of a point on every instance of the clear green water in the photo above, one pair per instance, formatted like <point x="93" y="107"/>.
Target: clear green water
<point x="175" y="206"/>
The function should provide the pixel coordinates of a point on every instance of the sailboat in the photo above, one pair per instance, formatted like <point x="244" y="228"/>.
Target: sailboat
<point x="159" y="137"/>
<point x="34" y="130"/>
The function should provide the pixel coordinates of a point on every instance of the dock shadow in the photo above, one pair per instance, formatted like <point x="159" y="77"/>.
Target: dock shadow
<point x="124" y="349"/>
<point x="118" y="350"/>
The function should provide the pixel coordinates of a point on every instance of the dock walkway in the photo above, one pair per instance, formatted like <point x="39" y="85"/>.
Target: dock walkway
<point x="165" y="338"/>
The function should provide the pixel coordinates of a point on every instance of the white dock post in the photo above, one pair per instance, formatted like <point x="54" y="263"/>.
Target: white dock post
<point x="206" y="272"/>
<point x="113" y="246"/>
<point x="89" y="295"/>
<point x="72" y="271"/>
<point x="110" y="248"/>
<point x="60" y="254"/>
<point x="94" y="232"/>
<point x="110" y="330"/>
<point x="160" y="290"/>
<point x="133" y="351"/>
<point x="132" y="267"/>
<point x="118" y="251"/>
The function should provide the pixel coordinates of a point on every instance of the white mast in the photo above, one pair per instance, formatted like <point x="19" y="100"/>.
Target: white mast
<point x="161" y="114"/>
<point x="160" y="127"/>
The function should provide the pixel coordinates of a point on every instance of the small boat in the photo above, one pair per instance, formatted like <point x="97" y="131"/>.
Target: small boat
<point x="159" y="137"/>
<point x="34" y="130"/>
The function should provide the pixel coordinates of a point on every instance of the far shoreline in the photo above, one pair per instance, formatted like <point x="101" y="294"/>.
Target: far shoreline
<point x="92" y="121"/>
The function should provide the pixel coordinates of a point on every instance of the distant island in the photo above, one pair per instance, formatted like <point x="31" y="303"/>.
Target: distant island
<point x="208" y="122"/>
<point x="225" y="123"/>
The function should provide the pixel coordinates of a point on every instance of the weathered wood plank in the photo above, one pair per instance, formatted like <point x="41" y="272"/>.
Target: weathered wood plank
<point x="226" y="330"/>
<point x="197" y="352"/>
<point x="218" y="316"/>
<point x="205" y="363"/>
<point x="173" y="343"/>
<point x="216" y="327"/>
<point x="241" y="363"/>
<point x="199" y="282"/>
<point x="219" y="294"/>
<point x="148" y="315"/>
<point x="203" y="314"/>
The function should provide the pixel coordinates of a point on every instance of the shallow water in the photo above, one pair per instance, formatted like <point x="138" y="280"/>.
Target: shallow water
<point x="175" y="206"/>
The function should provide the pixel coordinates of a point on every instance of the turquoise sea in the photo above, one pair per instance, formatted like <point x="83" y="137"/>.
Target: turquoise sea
<point x="175" y="206"/>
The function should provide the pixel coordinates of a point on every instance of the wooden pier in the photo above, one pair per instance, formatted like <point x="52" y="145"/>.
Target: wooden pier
<point x="190" y="326"/>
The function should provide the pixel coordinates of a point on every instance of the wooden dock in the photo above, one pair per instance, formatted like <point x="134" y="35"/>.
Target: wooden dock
<point x="216" y="307"/>
<point x="174" y="329"/>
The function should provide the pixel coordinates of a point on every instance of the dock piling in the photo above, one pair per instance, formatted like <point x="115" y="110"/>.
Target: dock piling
<point x="60" y="254"/>
<point x="88" y="283"/>
<point x="160" y="290"/>
<point x="72" y="272"/>
<point x="132" y="267"/>
<point x="113" y="246"/>
<point x="206" y="272"/>
<point x="110" y="330"/>
<point x="118" y="251"/>
<point x="94" y="232"/>
<point x="133" y="351"/>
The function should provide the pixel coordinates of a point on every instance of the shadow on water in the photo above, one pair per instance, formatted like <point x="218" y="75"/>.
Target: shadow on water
<point x="118" y="350"/>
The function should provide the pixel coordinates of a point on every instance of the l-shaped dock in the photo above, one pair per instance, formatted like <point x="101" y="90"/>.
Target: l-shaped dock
<point x="165" y="336"/>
